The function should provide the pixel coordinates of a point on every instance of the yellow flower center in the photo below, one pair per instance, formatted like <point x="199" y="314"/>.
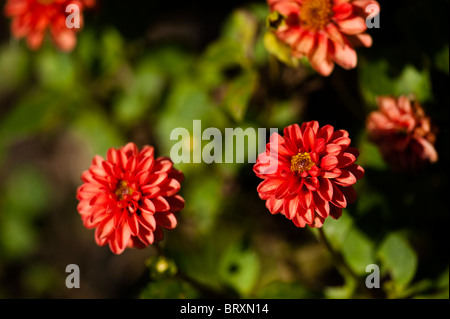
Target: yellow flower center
<point x="315" y="14"/>
<point x="123" y="190"/>
<point x="301" y="162"/>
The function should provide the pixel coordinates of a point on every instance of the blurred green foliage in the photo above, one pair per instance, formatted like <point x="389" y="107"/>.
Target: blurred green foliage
<point x="58" y="110"/>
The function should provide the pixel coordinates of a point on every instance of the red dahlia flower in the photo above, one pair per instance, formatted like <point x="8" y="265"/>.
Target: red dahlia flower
<point x="314" y="175"/>
<point x="129" y="197"/>
<point x="324" y="31"/>
<point x="32" y="18"/>
<point x="403" y="133"/>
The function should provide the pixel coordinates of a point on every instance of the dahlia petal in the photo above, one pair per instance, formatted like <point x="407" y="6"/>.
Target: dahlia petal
<point x="342" y="11"/>
<point x="311" y="183"/>
<point x="123" y="236"/>
<point x="282" y="189"/>
<point x="308" y="139"/>
<point x="305" y="197"/>
<point x="162" y="165"/>
<point x="147" y="152"/>
<point x="346" y="179"/>
<point x="161" y="204"/>
<point x="343" y="142"/>
<point x="352" y="151"/>
<point x="331" y="174"/>
<point x="35" y="39"/>
<point x="345" y="56"/>
<point x="133" y="224"/>
<point x="166" y="220"/>
<point x="335" y="212"/>
<point x="325" y="132"/>
<point x="325" y="189"/>
<point x="319" y="145"/>
<point x="332" y="149"/>
<point x="335" y="35"/>
<point x="130" y="149"/>
<point x="319" y="57"/>
<point x="158" y="234"/>
<point x="105" y="228"/>
<point x="388" y="105"/>
<point x="363" y="39"/>
<point x="131" y="164"/>
<point x="338" y="199"/>
<point x="150" y="191"/>
<point x="318" y="222"/>
<point x="291" y="207"/>
<point x="156" y="179"/>
<point x="146" y="164"/>
<point x="176" y="203"/>
<point x="148" y="221"/>
<point x="274" y="205"/>
<point x="345" y="159"/>
<point x="428" y="151"/>
<point x="329" y="162"/>
<point x="143" y="177"/>
<point x="314" y="171"/>
<point x="170" y="188"/>
<point x="147" y="206"/>
<point x="269" y="185"/>
<point x="356" y="170"/>
<point x="352" y="26"/>
<point x="322" y="207"/>
<point x="404" y="104"/>
<point x="176" y="174"/>
<point x="299" y="221"/>
<point x="293" y="137"/>
<point x="99" y="199"/>
<point x="305" y="44"/>
<point x="350" y="194"/>
<point x="309" y="216"/>
<point x="146" y="236"/>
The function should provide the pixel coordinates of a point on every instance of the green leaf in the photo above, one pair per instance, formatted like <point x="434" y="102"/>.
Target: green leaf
<point x="358" y="251"/>
<point x="239" y="93"/>
<point x="283" y="290"/>
<point x="280" y="50"/>
<point x="169" y="289"/>
<point x="95" y="130"/>
<point x="27" y="191"/>
<point x="239" y="268"/>
<point x="376" y="79"/>
<point x="370" y="155"/>
<point x="398" y="258"/>
<point x="33" y="113"/>
<point x="337" y="230"/>
<point x="441" y="60"/>
<point x="14" y="66"/>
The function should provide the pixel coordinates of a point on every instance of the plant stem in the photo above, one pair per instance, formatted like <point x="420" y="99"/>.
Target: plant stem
<point x="343" y="267"/>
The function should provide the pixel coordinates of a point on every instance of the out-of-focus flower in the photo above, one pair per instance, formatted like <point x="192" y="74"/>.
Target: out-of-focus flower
<point x="130" y="197"/>
<point x="314" y="175"/>
<point x="32" y="19"/>
<point x="403" y="133"/>
<point x="324" y="31"/>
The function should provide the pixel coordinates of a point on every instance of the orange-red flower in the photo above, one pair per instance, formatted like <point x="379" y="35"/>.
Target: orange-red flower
<point x="324" y="31"/>
<point x="314" y="175"/>
<point x="32" y="19"/>
<point x="130" y="197"/>
<point x="403" y="133"/>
